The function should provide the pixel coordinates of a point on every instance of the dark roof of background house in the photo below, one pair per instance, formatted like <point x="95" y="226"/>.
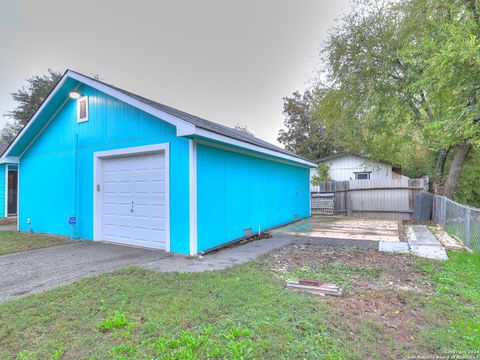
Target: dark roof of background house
<point x="203" y="123"/>
<point x="340" y="154"/>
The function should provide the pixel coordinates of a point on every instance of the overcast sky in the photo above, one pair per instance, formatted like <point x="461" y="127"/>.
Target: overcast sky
<point x="227" y="61"/>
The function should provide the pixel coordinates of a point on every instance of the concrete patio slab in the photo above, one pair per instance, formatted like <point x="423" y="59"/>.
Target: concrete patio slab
<point x="343" y="227"/>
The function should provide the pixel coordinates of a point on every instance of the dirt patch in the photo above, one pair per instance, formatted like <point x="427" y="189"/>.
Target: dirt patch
<point x="383" y="298"/>
<point x="449" y="242"/>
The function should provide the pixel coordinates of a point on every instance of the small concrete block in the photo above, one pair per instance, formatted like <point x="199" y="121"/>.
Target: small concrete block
<point x="393" y="247"/>
<point x="429" y="252"/>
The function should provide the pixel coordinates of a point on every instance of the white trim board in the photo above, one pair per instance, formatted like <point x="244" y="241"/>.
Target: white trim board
<point x="244" y="152"/>
<point x="9" y="160"/>
<point x="39" y="110"/>
<point x="245" y="145"/>
<point x="7" y="169"/>
<point x="193" y="197"/>
<point x="97" y="179"/>
<point x="6" y="192"/>
<point x="18" y="198"/>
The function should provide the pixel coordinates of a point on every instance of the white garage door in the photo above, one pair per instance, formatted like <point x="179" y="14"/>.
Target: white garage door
<point x="134" y="202"/>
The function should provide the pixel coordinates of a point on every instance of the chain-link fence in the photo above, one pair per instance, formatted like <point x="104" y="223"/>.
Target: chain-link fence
<point x="459" y="220"/>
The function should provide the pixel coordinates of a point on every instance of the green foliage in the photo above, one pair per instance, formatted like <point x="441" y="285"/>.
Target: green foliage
<point x="123" y="351"/>
<point x="58" y="354"/>
<point x="243" y="128"/>
<point x="468" y="191"/>
<point x="13" y="241"/>
<point x="233" y="343"/>
<point x="399" y="82"/>
<point x="457" y="298"/>
<point x="243" y="312"/>
<point x="322" y="174"/>
<point x="242" y="308"/>
<point x="29" y="100"/>
<point x="116" y="321"/>
<point x="305" y="134"/>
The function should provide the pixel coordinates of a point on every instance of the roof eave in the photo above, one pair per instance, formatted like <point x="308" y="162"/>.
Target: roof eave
<point x="202" y="133"/>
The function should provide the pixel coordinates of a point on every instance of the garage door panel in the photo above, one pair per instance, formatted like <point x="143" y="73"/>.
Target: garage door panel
<point x="147" y="223"/>
<point x="134" y="200"/>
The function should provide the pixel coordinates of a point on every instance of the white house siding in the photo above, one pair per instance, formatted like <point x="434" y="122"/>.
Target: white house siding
<point x="344" y="168"/>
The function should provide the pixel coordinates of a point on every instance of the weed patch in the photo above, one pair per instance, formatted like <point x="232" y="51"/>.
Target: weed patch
<point x="116" y="321"/>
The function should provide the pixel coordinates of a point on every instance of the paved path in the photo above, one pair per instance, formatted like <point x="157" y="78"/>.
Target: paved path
<point x="422" y="243"/>
<point x="37" y="270"/>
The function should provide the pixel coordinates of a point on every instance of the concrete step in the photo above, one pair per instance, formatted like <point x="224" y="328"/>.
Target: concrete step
<point x="424" y="244"/>
<point x="394" y="247"/>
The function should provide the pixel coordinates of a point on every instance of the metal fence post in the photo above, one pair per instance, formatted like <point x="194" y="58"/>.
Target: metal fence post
<point x="444" y="212"/>
<point x="467" y="228"/>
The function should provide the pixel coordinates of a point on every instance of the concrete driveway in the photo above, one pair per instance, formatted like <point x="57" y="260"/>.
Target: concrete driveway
<point x="37" y="270"/>
<point x="24" y="273"/>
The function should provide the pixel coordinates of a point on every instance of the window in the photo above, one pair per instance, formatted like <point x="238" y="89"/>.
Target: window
<point x="82" y="109"/>
<point x="362" y="176"/>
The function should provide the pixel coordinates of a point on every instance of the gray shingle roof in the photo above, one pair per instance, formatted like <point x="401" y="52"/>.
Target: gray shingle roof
<point x="203" y="123"/>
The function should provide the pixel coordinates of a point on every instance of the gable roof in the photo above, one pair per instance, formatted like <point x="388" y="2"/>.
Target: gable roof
<point x="342" y="154"/>
<point x="208" y="125"/>
<point x="187" y="125"/>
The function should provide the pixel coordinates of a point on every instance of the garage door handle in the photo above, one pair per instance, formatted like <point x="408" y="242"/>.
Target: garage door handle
<point x="131" y="209"/>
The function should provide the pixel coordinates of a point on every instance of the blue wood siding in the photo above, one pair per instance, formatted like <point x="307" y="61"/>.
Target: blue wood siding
<point x="47" y="169"/>
<point x="2" y="190"/>
<point x="237" y="191"/>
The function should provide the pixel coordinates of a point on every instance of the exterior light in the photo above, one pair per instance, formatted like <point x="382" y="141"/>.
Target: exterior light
<point x="75" y="95"/>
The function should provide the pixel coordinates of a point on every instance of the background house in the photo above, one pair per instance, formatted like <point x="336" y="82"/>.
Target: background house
<point x="349" y="166"/>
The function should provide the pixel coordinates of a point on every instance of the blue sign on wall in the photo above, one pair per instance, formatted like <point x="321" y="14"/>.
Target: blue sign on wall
<point x="72" y="220"/>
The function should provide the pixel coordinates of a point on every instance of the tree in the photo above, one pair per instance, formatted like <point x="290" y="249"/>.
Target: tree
<point x="29" y="100"/>
<point x="321" y="174"/>
<point x="243" y="128"/>
<point x="305" y="133"/>
<point x="403" y="77"/>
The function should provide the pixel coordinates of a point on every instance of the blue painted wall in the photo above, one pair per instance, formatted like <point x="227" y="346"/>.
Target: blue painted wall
<point x="2" y="190"/>
<point x="47" y="169"/>
<point x="236" y="191"/>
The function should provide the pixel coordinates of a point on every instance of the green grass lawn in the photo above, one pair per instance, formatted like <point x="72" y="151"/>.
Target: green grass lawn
<point x="246" y="312"/>
<point x="12" y="241"/>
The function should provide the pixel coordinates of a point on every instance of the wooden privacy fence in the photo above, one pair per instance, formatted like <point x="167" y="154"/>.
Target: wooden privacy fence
<point x="385" y="198"/>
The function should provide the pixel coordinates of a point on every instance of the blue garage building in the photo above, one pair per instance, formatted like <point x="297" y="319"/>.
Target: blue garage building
<point x="136" y="172"/>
